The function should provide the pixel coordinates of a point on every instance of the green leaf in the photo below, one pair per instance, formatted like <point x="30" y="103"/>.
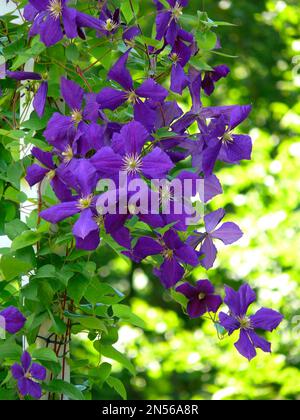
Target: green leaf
<point x="77" y="287"/>
<point x="14" y="195"/>
<point x="61" y="387"/>
<point x="72" y="53"/>
<point x="44" y="354"/>
<point x="124" y="312"/>
<point x="111" y="353"/>
<point x="101" y="373"/>
<point x="12" y="267"/>
<point x="15" y="228"/>
<point x="118" y="386"/>
<point x="27" y="238"/>
<point x="98" y="292"/>
<point x="206" y="40"/>
<point x="10" y="350"/>
<point x="127" y="11"/>
<point x="92" y="323"/>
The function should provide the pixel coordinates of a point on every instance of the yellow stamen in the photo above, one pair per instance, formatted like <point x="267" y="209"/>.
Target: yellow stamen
<point x="201" y="296"/>
<point x="55" y="9"/>
<point x="110" y="25"/>
<point x="76" y="116"/>
<point x="177" y="10"/>
<point x="245" y="322"/>
<point x="132" y="97"/>
<point x="51" y="174"/>
<point x="85" y="202"/>
<point x="227" y="138"/>
<point x="68" y="154"/>
<point x="132" y="163"/>
<point x="168" y="254"/>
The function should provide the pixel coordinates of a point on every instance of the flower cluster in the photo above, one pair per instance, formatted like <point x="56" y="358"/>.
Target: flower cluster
<point x="89" y="147"/>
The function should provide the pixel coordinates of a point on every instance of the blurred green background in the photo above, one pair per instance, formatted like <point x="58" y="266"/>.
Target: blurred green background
<point x="181" y="359"/>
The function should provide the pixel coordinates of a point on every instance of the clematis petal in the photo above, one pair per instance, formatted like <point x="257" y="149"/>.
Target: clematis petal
<point x="187" y="290"/>
<point x="179" y="80"/>
<point x="163" y="19"/>
<point x="38" y="372"/>
<point x="14" y="319"/>
<point x="156" y="164"/>
<point x="85" y="224"/>
<point x="266" y="319"/>
<point x="60" y="130"/>
<point x="151" y="89"/>
<point x="46" y="158"/>
<point x="196" y="308"/>
<point x="205" y="286"/>
<point x="228" y="233"/>
<point x="246" y="296"/>
<point x="172" y="240"/>
<point x="39" y="102"/>
<point x="144" y="114"/>
<point x="120" y="74"/>
<point x="210" y="252"/>
<point x="170" y="272"/>
<point x="146" y="247"/>
<point x="35" y="174"/>
<point x="39" y="5"/>
<point x="25" y="361"/>
<point x="23" y="75"/>
<point x="90" y="242"/>
<point x="60" y="212"/>
<point x="111" y="99"/>
<point x="61" y="191"/>
<point x="34" y="389"/>
<point x="69" y="18"/>
<point x="72" y="93"/>
<point x="259" y="342"/>
<point x="238" y="114"/>
<point x="187" y="255"/>
<point x="17" y="371"/>
<point x="212" y="219"/>
<point x="228" y="322"/>
<point x="50" y="31"/>
<point x="213" y="303"/>
<point x="240" y="148"/>
<point x="107" y="162"/>
<point x="244" y="346"/>
<point x="131" y="139"/>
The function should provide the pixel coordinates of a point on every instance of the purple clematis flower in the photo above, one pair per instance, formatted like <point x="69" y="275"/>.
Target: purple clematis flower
<point x="110" y="22"/>
<point x="202" y="298"/>
<point x="237" y="319"/>
<point x="180" y="56"/>
<point x="53" y="18"/>
<point x="36" y="174"/>
<point x="40" y="97"/>
<point x="125" y="155"/>
<point x="83" y="178"/>
<point x="174" y="252"/>
<point x="167" y="20"/>
<point x="110" y="98"/>
<point x="28" y="374"/>
<point x="222" y="144"/>
<point x="228" y="233"/>
<point x="14" y="320"/>
<point x="211" y="77"/>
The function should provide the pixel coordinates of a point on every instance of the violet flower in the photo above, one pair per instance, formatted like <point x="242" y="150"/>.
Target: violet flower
<point x="174" y="252"/>
<point x="228" y="233"/>
<point x="109" y="22"/>
<point x="110" y="98"/>
<point x="201" y="298"/>
<point x="40" y="97"/>
<point x="180" y="56"/>
<point x="53" y="18"/>
<point x="237" y="319"/>
<point x="28" y="374"/>
<point x="14" y="320"/>
<point x="125" y="155"/>
<point x="211" y="77"/>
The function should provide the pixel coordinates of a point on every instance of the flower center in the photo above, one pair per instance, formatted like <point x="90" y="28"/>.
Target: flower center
<point x="110" y="25"/>
<point x="175" y="57"/>
<point x="51" y="174"/>
<point x="76" y="116"/>
<point x="55" y="9"/>
<point x="168" y="254"/>
<point x="132" y="97"/>
<point x="85" y="202"/>
<point x="68" y="154"/>
<point x="245" y="323"/>
<point x="227" y="138"/>
<point x="201" y="296"/>
<point x="177" y="10"/>
<point x="132" y="163"/>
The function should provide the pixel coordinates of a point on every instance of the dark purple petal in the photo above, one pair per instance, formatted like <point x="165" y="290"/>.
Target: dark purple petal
<point x="69" y="17"/>
<point x="246" y="297"/>
<point x="213" y="303"/>
<point x="196" y="308"/>
<point x="39" y="4"/>
<point x="130" y="33"/>
<point x="60" y="212"/>
<point x="14" y="319"/>
<point x="266" y="319"/>
<point x="170" y="272"/>
<point x="187" y="255"/>
<point x="91" y="110"/>
<point x="259" y="342"/>
<point x="59" y="131"/>
<point x="111" y="99"/>
<point x="25" y="361"/>
<point x="87" y="21"/>
<point x="146" y="247"/>
<point x="179" y="80"/>
<point x="187" y="290"/>
<point x="156" y="164"/>
<point x="210" y="156"/>
<point x="107" y="162"/>
<point x="172" y="240"/>
<point x="212" y="188"/>
<point x="229" y="322"/>
<point x="172" y="32"/>
<point x="17" y="371"/>
<point x="244" y="346"/>
<point x="238" y="114"/>
<point x="38" y="372"/>
<point x="131" y="139"/>
<point x="23" y="386"/>
<point x="210" y="252"/>
<point x="30" y="12"/>
<point x="35" y="174"/>
<point x="167" y="113"/>
<point x="195" y="88"/>
<point x="85" y="176"/>
<point x="72" y="93"/>
<point x="228" y="233"/>
<point x="61" y="191"/>
<point x="163" y="19"/>
<point x="40" y="98"/>
<point x="151" y="89"/>
<point x="51" y="32"/>
<point x="205" y="286"/>
<point x="122" y="237"/>
<point x="90" y="242"/>
<point x="145" y="115"/>
<point x="34" y="389"/>
<point x="212" y="220"/>
<point x="220" y="72"/>
<point x="240" y="148"/>
<point x="46" y="158"/>
<point x="113" y="222"/>
<point x="23" y="75"/>
<point x="85" y="224"/>
<point x="120" y="74"/>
